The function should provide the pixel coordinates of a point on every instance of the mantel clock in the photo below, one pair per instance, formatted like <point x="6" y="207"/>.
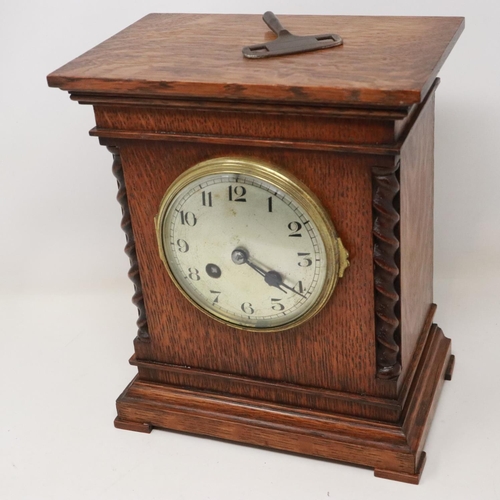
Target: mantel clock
<point x="279" y="223"/>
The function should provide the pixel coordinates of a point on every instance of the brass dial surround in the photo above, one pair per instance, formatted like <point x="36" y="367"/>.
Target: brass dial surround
<point x="243" y="179"/>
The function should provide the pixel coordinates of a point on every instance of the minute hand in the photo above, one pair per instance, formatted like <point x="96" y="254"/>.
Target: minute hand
<point x="256" y="268"/>
<point x="291" y="289"/>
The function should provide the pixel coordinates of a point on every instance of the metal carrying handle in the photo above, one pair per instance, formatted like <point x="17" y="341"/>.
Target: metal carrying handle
<point x="286" y="43"/>
<point x="273" y="22"/>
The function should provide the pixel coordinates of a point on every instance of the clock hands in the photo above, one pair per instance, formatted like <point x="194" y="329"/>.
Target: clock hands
<point x="288" y="287"/>
<point x="272" y="278"/>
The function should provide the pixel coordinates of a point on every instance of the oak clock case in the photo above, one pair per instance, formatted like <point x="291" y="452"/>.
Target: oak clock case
<point x="249" y="244"/>
<point x="243" y="184"/>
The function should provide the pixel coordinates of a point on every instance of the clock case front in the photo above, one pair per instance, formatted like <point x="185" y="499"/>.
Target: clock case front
<point x="360" y="380"/>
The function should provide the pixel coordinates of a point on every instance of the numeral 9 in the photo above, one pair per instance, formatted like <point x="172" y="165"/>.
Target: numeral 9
<point x="182" y="246"/>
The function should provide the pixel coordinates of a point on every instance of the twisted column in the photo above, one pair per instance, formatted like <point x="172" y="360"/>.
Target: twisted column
<point x="386" y="270"/>
<point x="126" y="225"/>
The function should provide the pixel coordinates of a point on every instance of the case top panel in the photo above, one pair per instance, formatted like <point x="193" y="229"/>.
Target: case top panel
<point x="384" y="61"/>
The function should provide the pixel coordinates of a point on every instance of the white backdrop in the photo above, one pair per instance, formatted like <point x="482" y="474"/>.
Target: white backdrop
<point x="67" y="323"/>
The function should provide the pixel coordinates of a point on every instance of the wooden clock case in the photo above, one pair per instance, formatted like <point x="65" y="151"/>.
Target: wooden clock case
<point x="359" y="382"/>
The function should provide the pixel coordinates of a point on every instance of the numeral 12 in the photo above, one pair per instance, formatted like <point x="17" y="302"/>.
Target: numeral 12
<point x="237" y="193"/>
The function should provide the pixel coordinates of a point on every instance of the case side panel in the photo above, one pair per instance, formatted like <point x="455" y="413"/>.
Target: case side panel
<point x="416" y="232"/>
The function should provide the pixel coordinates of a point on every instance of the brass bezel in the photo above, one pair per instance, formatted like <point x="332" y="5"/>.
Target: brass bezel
<point x="336" y="255"/>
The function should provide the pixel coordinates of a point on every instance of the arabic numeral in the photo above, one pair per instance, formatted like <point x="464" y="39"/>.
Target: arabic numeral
<point x="206" y="199"/>
<point x="276" y="305"/>
<point x="194" y="274"/>
<point x="299" y="287"/>
<point x="237" y="193"/>
<point x="216" y="293"/>
<point x="188" y="218"/>
<point x="304" y="262"/>
<point x="295" y="227"/>
<point x="182" y="246"/>
<point x="247" y="308"/>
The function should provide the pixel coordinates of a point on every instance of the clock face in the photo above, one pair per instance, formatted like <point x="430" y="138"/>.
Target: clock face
<point x="248" y="244"/>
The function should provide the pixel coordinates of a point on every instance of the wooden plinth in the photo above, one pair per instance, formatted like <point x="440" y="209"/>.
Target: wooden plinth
<point x="395" y="451"/>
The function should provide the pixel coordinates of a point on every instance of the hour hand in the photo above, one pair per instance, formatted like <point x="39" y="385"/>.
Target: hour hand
<point x="240" y="256"/>
<point x="272" y="278"/>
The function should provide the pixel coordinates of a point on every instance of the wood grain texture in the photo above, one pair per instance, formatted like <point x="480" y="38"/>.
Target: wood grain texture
<point x="253" y="357"/>
<point x="416" y="229"/>
<point x="301" y="396"/>
<point x="341" y="335"/>
<point x="382" y="149"/>
<point x="387" y="409"/>
<point x="395" y="451"/>
<point x="356" y="125"/>
<point x="327" y="109"/>
<point x="363" y="130"/>
<point x="132" y="426"/>
<point x="269" y="125"/>
<point x="405" y="477"/>
<point x="384" y="61"/>
<point x="450" y="368"/>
